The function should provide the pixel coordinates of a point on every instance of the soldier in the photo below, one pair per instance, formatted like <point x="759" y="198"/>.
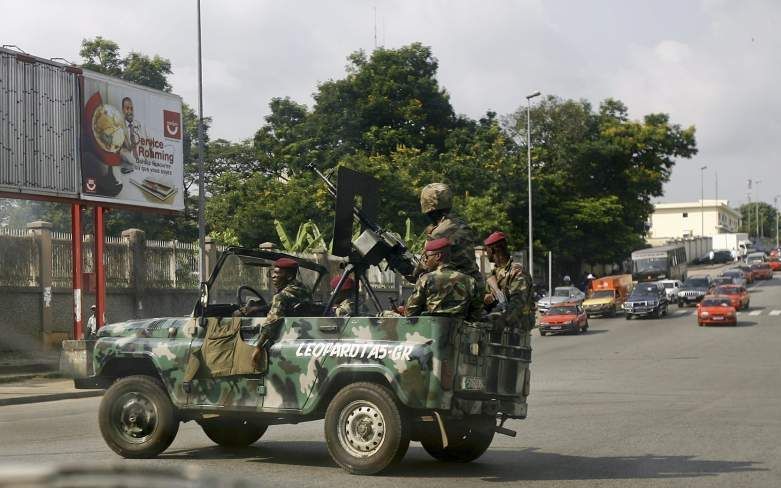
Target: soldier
<point x="509" y="285"/>
<point x="444" y="290"/>
<point x="436" y="201"/>
<point x="343" y="303"/>
<point x="289" y="294"/>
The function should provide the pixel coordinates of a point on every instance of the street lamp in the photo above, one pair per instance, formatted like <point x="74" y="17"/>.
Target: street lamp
<point x="529" y="170"/>
<point x="702" y="201"/>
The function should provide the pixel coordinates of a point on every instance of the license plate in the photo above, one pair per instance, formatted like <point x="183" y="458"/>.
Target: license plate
<point x="472" y="383"/>
<point x="556" y="327"/>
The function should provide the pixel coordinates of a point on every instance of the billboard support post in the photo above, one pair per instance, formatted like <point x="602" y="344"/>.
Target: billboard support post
<point x="100" y="270"/>
<point x="78" y="330"/>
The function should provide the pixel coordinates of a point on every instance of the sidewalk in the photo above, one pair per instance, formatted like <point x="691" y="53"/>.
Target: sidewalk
<point x="40" y="389"/>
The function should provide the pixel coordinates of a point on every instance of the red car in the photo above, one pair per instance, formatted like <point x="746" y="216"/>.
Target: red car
<point x="566" y="317"/>
<point x="775" y="264"/>
<point x="762" y="271"/>
<point x="738" y="294"/>
<point x="716" y="310"/>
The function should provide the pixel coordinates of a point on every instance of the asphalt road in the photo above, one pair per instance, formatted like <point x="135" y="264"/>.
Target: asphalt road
<point x="630" y="403"/>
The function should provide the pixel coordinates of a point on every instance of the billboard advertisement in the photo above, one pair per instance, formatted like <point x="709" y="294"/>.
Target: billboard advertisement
<point x="132" y="151"/>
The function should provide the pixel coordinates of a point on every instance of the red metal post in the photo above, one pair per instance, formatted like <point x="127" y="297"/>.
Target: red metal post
<point x="78" y="330"/>
<point x="100" y="271"/>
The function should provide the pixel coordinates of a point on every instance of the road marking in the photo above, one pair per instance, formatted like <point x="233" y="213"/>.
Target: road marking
<point x="755" y="312"/>
<point x="775" y="312"/>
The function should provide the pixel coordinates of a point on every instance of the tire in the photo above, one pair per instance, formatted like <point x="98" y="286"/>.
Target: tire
<point x="233" y="433"/>
<point x="136" y="417"/>
<point x="464" y="445"/>
<point x="365" y="429"/>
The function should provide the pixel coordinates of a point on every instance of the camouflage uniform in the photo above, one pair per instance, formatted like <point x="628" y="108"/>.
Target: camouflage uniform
<point x="283" y="304"/>
<point x="462" y="248"/>
<point x="445" y="291"/>
<point x="516" y="284"/>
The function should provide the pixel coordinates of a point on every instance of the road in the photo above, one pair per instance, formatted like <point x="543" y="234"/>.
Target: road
<point x="630" y="403"/>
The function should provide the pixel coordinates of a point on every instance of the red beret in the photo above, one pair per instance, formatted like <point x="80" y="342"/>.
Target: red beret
<point x="286" y="263"/>
<point x="347" y="285"/>
<point x="494" y="238"/>
<point x="437" y="244"/>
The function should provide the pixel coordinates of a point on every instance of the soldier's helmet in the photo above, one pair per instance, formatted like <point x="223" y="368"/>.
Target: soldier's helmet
<point x="435" y="196"/>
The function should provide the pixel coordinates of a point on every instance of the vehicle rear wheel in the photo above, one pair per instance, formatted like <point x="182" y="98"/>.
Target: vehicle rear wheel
<point x="233" y="433"/>
<point x="365" y="429"/>
<point x="136" y="417"/>
<point x="465" y="442"/>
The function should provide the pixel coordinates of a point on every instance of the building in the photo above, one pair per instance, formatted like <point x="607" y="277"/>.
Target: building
<point x="690" y="219"/>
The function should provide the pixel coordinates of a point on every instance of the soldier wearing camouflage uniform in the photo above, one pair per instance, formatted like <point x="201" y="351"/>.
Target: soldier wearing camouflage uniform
<point x="289" y="294"/>
<point x="436" y="201"/>
<point x="512" y="281"/>
<point x="444" y="290"/>
<point x="343" y="302"/>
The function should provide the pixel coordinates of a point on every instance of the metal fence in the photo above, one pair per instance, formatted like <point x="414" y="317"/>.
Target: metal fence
<point x="19" y="259"/>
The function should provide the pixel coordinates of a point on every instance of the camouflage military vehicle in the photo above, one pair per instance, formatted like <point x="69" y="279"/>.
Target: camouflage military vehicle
<point x="378" y="381"/>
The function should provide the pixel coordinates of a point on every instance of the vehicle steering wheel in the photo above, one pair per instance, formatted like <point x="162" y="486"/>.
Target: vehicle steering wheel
<point x="240" y="296"/>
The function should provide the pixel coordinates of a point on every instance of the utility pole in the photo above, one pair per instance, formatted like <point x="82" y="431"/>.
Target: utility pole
<point x="201" y="190"/>
<point x="529" y="182"/>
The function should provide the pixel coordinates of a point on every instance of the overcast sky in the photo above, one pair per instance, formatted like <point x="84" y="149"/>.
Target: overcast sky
<point x="710" y="63"/>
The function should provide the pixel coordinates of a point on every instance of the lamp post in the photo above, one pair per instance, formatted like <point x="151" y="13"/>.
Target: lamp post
<point x="702" y="201"/>
<point x="529" y="176"/>
<point x="201" y="190"/>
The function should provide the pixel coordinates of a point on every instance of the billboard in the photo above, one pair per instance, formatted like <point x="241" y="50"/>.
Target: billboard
<point x="132" y="151"/>
<point x="39" y="127"/>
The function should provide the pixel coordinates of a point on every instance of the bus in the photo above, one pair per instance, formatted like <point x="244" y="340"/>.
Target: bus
<point x="659" y="263"/>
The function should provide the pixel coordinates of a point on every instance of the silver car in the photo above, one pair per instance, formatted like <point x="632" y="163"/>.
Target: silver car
<point x="561" y="294"/>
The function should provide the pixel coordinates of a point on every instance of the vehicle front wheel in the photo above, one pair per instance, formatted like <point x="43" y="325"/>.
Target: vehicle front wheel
<point x="365" y="429"/>
<point x="233" y="433"/>
<point x="136" y="417"/>
<point x="465" y="443"/>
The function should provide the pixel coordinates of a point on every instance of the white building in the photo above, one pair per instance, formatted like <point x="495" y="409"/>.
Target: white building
<point x="690" y="219"/>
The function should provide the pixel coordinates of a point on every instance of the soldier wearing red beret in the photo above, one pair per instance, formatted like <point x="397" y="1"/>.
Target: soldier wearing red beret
<point x="289" y="293"/>
<point x="343" y="302"/>
<point x="508" y="286"/>
<point x="444" y="290"/>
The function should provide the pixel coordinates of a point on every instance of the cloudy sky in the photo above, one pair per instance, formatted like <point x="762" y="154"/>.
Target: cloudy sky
<point x="710" y="63"/>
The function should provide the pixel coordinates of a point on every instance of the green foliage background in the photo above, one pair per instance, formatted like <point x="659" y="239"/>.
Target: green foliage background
<point x="594" y="170"/>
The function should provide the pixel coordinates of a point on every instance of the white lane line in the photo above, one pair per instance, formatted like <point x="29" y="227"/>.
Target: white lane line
<point x="755" y="312"/>
<point x="775" y="312"/>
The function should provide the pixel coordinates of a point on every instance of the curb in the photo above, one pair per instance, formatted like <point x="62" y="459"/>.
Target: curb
<point x="53" y="397"/>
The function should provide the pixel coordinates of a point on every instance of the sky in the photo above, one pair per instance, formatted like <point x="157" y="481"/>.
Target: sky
<point x="713" y="64"/>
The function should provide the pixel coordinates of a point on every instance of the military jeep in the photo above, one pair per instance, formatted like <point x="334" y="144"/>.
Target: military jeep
<point x="378" y="381"/>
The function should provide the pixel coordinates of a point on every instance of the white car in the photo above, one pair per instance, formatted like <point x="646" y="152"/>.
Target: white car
<point x="671" y="288"/>
<point x="561" y="294"/>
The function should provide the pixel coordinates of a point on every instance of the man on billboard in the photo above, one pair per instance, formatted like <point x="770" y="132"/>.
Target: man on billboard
<point x="129" y="152"/>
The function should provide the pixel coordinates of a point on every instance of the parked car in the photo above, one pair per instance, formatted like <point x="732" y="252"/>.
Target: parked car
<point x="716" y="310"/>
<point x="561" y="294"/>
<point x="647" y="299"/>
<point x="693" y="290"/>
<point x="762" y="271"/>
<point x="738" y="276"/>
<point x="671" y="288"/>
<point x="738" y="294"/>
<point x="567" y="317"/>
<point x="715" y="257"/>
